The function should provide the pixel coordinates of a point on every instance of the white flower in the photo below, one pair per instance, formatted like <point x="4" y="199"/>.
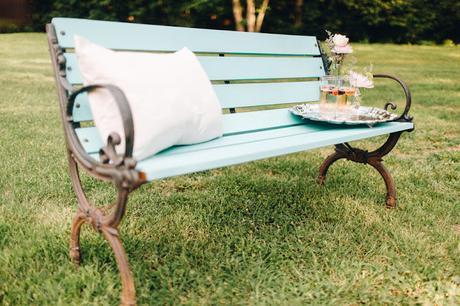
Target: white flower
<point x="340" y="40"/>
<point x="359" y="80"/>
<point x="342" y="50"/>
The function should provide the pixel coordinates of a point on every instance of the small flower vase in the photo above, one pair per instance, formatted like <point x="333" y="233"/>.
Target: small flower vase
<point x="337" y="69"/>
<point x="356" y="104"/>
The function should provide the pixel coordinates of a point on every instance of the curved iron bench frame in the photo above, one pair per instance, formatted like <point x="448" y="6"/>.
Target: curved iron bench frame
<point x="121" y="171"/>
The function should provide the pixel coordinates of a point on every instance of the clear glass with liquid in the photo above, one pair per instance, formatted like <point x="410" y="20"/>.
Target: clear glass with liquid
<point x="336" y="97"/>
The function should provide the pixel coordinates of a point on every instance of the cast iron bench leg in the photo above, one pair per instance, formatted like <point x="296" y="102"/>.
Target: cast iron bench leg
<point x="105" y="224"/>
<point x="373" y="158"/>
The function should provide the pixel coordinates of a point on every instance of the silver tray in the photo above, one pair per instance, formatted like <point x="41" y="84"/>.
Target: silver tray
<point x="362" y="116"/>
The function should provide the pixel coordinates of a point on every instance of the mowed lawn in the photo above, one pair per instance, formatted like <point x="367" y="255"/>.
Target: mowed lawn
<point x="259" y="233"/>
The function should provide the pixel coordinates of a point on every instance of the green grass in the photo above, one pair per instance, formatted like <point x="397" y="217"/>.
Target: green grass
<point x="258" y="233"/>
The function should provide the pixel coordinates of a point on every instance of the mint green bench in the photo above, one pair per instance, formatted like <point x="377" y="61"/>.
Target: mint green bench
<point x="246" y="69"/>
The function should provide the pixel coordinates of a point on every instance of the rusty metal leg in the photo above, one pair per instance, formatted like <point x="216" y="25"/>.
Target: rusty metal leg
<point x="106" y="222"/>
<point x="77" y="222"/>
<point x="389" y="182"/>
<point x="326" y="164"/>
<point x="128" y="293"/>
<point x="373" y="158"/>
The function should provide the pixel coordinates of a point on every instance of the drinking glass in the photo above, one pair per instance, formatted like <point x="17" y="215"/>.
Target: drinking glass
<point x="329" y="85"/>
<point x="336" y="97"/>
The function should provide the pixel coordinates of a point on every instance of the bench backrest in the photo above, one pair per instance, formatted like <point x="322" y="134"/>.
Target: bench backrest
<point x="247" y="69"/>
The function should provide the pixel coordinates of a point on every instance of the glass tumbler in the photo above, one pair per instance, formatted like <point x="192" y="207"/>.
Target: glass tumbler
<point x="337" y="97"/>
<point x="329" y="85"/>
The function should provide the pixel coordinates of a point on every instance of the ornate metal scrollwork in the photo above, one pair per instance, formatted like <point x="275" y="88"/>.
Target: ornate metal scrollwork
<point x="120" y="169"/>
<point x="59" y="60"/>
<point x="404" y="117"/>
<point x="373" y="158"/>
<point x="392" y="105"/>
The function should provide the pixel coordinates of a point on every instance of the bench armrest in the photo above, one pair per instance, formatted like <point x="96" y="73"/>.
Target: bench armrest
<point x="117" y="167"/>
<point x="404" y="117"/>
<point x="123" y="107"/>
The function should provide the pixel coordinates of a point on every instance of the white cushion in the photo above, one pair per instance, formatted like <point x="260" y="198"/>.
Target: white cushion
<point x="171" y="98"/>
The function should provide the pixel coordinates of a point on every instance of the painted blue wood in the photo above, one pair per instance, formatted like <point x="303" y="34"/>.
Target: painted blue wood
<point x="260" y="94"/>
<point x="92" y="142"/>
<point x="238" y="68"/>
<point x="232" y="124"/>
<point x="259" y="120"/>
<point x="128" y="36"/>
<point x="238" y="95"/>
<point x="235" y="139"/>
<point x="89" y="138"/>
<point x="165" y="164"/>
<point x="82" y="109"/>
<point x="258" y="68"/>
<point x="243" y="147"/>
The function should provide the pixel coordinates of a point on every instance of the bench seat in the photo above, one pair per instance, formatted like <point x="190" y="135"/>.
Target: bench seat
<point x="253" y="146"/>
<point x="240" y="146"/>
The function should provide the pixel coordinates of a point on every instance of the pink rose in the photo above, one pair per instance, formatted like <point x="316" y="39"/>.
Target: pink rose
<point x="340" y="40"/>
<point x="359" y="80"/>
<point x="342" y="50"/>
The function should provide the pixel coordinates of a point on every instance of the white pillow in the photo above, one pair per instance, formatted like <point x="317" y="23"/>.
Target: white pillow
<point x="171" y="98"/>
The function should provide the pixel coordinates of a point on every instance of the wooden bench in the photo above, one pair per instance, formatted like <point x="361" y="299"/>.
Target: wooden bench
<point x="246" y="70"/>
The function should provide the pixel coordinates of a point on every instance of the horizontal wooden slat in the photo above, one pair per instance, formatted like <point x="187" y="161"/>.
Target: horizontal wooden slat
<point x="259" y="120"/>
<point x="237" y="68"/>
<point x="82" y="109"/>
<point x="165" y="164"/>
<point x="128" y="36"/>
<point x="259" y="68"/>
<point x="233" y="124"/>
<point x="238" y="95"/>
<point x="259" y="94"/>
<point x="230" y="140"/>
<point x="91" y="140"/>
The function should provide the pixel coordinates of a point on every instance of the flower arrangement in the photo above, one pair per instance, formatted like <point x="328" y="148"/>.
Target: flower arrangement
<point x="338" y="49"/>
<point x="359" y="80"/>
<point x="340" y="90"/>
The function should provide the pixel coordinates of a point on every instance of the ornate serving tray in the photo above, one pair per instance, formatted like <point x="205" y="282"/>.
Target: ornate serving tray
<point x="362" y="116"/>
